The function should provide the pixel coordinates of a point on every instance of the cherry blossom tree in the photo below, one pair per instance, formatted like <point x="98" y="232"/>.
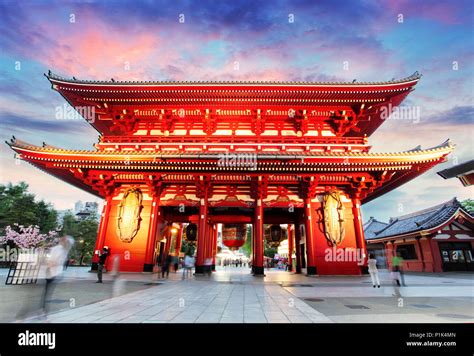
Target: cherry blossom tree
<point x="25" y="237"/>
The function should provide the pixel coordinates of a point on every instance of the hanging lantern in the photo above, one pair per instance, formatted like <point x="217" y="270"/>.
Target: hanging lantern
<point x="191" y="233"/>
<point x="234" y="235"/>
<point x="274" y="235"/>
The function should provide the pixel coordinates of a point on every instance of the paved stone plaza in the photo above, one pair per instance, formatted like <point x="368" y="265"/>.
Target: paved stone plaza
<point x="232" y="295"/>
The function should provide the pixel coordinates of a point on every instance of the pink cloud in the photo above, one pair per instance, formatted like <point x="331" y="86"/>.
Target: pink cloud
<point x="444" y="12"/>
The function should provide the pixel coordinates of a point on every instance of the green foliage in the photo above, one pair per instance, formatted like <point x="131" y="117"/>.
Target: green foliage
<point x="46" y="217"/>
<point x="187" y="248"/>
<point x="247" y="247"/>
<point x="69" y="224"/>
<point x="270" y="251"/>
<point x="468" y="204"/>
<point x="85" y="234"/>
<point x="17" y="206"/>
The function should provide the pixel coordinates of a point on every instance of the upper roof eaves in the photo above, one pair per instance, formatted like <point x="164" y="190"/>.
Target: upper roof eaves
<point x="54" y="77"/>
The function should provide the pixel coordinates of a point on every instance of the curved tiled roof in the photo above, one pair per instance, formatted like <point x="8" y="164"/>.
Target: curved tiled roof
<point x="373" y="226"/>
<point x="418" y="221"/>
<point x="446" y="145"/>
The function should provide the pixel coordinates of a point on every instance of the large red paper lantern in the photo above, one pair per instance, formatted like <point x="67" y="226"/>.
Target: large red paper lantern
<point x="234" y="235"/>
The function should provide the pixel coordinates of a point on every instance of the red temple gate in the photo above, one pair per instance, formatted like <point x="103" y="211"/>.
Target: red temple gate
<point x="234" y="152"/>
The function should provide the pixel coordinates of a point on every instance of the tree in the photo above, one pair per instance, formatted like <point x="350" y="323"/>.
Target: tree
<point x="187" y="248"/>
<point x="247" y="247"/>
<point x="69" y="226"/>
<point x="46" y="216"/>
<point x="84" y="233"/>
<point x="468" y="204"/>
<point x="18" y="207"/>
<point x="270" y="251"/>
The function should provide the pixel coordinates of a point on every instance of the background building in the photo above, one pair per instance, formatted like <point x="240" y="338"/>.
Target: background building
<point x="436" y="239"/>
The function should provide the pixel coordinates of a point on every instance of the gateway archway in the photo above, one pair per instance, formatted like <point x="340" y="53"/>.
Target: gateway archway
<point x="253" y="146"/>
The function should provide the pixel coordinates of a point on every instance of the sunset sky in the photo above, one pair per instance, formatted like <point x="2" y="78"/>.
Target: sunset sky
<point x="145" y="40"/>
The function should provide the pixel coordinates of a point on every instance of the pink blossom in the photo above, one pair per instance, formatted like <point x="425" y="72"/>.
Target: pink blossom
<point x="28" y="237"/>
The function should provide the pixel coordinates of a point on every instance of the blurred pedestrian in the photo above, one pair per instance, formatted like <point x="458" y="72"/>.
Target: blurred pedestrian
<point x="165" y="268"/>
<point x="373" y="271"/>
<point x="188" y="266"/>
<point x="55" y="262"/>
<point x="118" y="282"/>
<point x="397" y="268"/>
<point x="176" y="263"/>
<point x="208" y="266"/>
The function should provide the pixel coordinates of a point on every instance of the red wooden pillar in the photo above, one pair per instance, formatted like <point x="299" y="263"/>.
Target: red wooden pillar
<point x="310" y="243"/>
<point x="168" y="235"/>
<point x="258" y="250"/>
<point x="209" y="245"/>
<point x="179" y="240"/>
<point x="427" y="253"/>
<point x="214" y="246"/>
<point x="152" y="228"/>
<point x="104" y="222"/>
<point x="201" y="254"/>
<point x="359" y="233"/>
<point x="389" y="248"/>
<point x="435" y="252"/>
<point x="297" y="245"/>
<point x="290" y="248"/>
<point x="210" y="239"/>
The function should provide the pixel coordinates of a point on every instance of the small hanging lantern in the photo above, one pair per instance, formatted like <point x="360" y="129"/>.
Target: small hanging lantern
<point x="274" y="235"/>
<point x="191" y="233"/>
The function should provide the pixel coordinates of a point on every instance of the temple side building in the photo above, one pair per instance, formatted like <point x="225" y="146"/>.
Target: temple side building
<point x="436" y="239"/>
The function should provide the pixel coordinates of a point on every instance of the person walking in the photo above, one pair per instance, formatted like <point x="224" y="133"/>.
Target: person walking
<point x="165" y="268"/>
<point x="102" y="260"/>
<point x="208" y="266"/>
<point x="373" y="271"/>
<point x="397" y="267"/>
<point x="55" y="263"/>
<point x="188" y="266"/>
<point x="176" y="263"/>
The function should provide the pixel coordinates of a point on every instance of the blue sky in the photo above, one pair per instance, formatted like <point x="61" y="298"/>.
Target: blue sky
<point x="379" y="40"/>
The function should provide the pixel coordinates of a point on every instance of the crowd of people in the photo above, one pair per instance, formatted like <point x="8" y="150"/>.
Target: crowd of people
<point x="234" y="262"/>
<point x="57" y="258"/>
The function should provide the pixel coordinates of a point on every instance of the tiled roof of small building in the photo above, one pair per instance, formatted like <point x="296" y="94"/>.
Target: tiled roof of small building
<point x="373" y="226"/>
<point x="460" y="169"/>
<point x="418" y="221"/>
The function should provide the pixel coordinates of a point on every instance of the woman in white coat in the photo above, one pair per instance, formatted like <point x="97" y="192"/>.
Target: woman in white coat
<point x="373" y="271"/>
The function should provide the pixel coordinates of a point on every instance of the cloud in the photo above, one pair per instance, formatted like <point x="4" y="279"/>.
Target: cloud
<point x="146" y="41"/>
<point x="18" y="124"/>
<point x="459" y="115"/>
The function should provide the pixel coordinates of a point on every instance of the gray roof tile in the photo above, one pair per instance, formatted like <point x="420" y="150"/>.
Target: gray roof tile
<point x="418" y="221"/>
